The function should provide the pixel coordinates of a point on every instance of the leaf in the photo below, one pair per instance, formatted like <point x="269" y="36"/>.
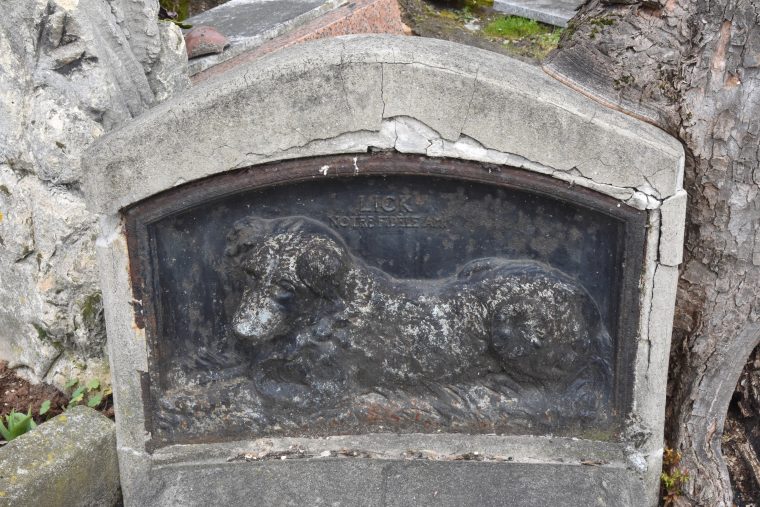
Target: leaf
<point x="5" y="432"/>
<point x="95" y="400"/>
<point x="18" y="424"/>
<point x="93" y="384"/>
<point x="44" y="407"/>
<point x="71" y="383"/>
<point x="77" y="396"/>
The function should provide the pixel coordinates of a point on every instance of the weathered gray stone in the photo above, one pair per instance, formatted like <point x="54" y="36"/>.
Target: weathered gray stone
<point x="125" y="343"/>
<point x="168" y="75"/>
<point x="403" y="469"/>
<point x="69" y="461"/>
<point x="241" y="19"/>
<point x="69" y="71"/>
<point x="357" y="481"/>
<point x="673" y="212"/>
<point x="406" y="92"/>
<point x="349" y="84"/>
<point x="137" y="20"/>
<point x="553" y="12"/>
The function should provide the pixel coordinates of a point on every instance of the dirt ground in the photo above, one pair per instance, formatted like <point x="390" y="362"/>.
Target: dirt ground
<point x="18" y="394"/>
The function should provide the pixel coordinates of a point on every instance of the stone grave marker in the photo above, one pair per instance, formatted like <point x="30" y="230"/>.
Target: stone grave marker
<point x="552" y="12"/>
<point x="377" y="270"/>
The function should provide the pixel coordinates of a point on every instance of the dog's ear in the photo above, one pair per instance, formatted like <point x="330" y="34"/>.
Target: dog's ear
<point x="322" y="266"/>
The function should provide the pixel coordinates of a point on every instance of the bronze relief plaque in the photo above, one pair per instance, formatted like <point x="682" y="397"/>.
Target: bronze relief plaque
<point x="313" y="298"/>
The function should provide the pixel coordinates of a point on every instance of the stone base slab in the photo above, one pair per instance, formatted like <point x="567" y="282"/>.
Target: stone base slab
<point x="349" y="481"/>
<point x="438" y="470"/>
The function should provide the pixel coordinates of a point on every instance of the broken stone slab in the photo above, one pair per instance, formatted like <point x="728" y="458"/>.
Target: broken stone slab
<point x="551" y="12"/>
<point x="249" y="23"/>
<point x="205" y="40"/>
<point x="358" y="17"/>
<point x="68" y="461"/>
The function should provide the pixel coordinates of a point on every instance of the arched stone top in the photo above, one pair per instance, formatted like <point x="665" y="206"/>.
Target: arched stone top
<point x="414" y="95"/>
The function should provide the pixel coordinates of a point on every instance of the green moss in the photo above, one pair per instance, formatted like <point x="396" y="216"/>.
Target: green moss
<point x="91" y="308"/>
<point x="549" y="41"/>
<point x="623" y="81"/>
<point x="514" y="27"/>
<point x="602" y="21"/>
<point x="597" y="24"/>
<point x="479" y="4"/>
<point x="181" y="7"/>
<point x="41" y="331"/>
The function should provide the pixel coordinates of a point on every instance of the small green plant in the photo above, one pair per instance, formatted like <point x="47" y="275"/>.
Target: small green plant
<point x="90" y="393"/>
<point x="549" y="41"/>
<point x="514" y="27"/>
<point x="673" y="476"/>
<point x="478" y="4"/>
<point x="16" y="424"/>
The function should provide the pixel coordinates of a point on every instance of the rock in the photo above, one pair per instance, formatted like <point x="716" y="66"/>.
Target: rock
<point x="137" y="20"/>
<point x="69" y="72"/>
<point x="473" y="25"/>
<point x="169" y="75"/>
<point x="204" y="40"/>
<point x="68" y="461"/>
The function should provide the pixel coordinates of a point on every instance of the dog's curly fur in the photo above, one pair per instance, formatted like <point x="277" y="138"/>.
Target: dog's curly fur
<point x="320" y="317"/>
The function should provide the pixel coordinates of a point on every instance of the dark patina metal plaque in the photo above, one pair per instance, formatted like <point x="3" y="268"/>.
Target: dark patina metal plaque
<point x="384" y="293"/>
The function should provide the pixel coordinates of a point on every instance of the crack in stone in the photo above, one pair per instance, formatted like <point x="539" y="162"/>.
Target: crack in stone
<point x="469" y="103"/>
<point x="382" y="90"/>
<point x="341" y="69"/>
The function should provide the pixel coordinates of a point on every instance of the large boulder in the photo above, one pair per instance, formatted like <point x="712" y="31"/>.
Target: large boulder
<point x="70" y="70"/>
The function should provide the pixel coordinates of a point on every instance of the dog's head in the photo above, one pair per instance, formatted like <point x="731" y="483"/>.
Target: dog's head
<point x="294" y="267"/>
<point x="547" y="328"/>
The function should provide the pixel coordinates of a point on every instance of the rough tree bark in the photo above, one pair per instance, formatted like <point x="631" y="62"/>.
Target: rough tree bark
<point x="692" y="67"/>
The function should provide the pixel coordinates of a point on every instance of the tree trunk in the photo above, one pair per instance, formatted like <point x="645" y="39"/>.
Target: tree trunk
<point x="692" y="68"/>
<point x="741" y="437"/>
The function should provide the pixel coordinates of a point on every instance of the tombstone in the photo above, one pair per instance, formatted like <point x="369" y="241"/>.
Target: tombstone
<point x="551" y="12"/>
<point x="380" y="270"/>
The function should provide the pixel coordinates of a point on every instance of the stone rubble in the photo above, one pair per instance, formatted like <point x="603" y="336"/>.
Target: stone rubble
<point x="204" y="40"/>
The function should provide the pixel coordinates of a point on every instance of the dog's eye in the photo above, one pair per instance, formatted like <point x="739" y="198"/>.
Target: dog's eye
<point x="284" y="292"/>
